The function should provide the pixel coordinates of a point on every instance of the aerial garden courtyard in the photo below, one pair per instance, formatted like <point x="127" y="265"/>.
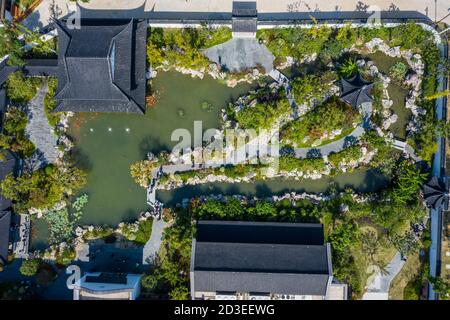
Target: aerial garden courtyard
<point x="355" y="125"/>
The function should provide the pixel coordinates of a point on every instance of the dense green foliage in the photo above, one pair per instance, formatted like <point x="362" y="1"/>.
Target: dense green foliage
<point x="263" y="112"/>
<point x="170" y="277"/>
<point x="312" y="86"/>
<point x="42" y="189"/>
<point x="182" y="47"/>
<point x="290" y="163"/>
<point x="398" y="72"/>
<point x="30" y="267"/>
<point x="348" y="68"/>
<point x="21" y="89"/>
<point x="10" y="44"/>
<point x="139" y="235"/>
<point x="13" y="136"/>
<point x="323" y="119"/>
<point x="351" y="153"/>
<point x="50" y="102"/>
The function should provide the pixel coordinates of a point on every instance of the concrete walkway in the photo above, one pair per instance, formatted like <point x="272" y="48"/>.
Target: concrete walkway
<point x="378" y="289"/>
<point x="38" y="129"/>
<point x="152" y="246"/>
<point x="240" y="54"/>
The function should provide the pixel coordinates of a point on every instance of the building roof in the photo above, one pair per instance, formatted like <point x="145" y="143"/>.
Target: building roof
<point x="5" y="222"/>
<point x="437" y="193"/>
<point x="244" y="25"/>
<point x="101" y="282"/>
<point x="356" y="91"/>
<point x="102" y="66"/>
<point x="289" y="258"/>
<point x="244" y="9"/>
<point x="260" y="232"/>
<point x="7" y="166"/>
<point x="106" y="277"/>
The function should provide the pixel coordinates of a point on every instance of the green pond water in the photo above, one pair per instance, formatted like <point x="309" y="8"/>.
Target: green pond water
<point x="107" y="144"/>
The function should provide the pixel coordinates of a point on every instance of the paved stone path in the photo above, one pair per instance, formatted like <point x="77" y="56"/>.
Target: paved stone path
<point x="152" y="246"/>
<point x="378" y="289"/>
<point x="38" y="129"/>
<point x="239" y="54"/>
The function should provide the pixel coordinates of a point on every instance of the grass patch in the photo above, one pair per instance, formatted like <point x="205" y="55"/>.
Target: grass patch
<point x="144" y="232"/>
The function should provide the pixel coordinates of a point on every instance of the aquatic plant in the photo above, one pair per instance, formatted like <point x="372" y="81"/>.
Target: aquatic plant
<point x="206" y="106"/>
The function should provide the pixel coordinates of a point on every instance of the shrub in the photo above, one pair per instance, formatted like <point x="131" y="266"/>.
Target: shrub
<point x="330" y="115"/>
<point x="21" y="89"/>
<point x="291" y="163"/>
<point x="50" y="103"/>
<point x="268" y="108"/>
<point x="182" y="47"/>
<point x="66" y="256"/>
<point x="30" y="267"/>
<point x="348" y="69"/>
<point x="14" y="137"/>
<point x="398" y="72"/>
<point x="312" y="87"/>
<point x="38" y="190"/>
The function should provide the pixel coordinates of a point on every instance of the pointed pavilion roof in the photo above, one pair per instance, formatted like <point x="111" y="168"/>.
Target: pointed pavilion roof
<point x="356" y="91"/>
<point x="437" y="193"/>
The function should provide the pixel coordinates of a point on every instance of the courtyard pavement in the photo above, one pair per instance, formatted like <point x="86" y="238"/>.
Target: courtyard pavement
<point x="240" y="54"/>
<point x="38" y="129"/>
<point x="152" y="246"/>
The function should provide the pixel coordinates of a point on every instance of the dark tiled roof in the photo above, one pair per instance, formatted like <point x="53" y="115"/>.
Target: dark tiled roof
<point x="356" y="90"/>
<point x="437" y="193"/>
<point x="260" y="257"/>
<point x="102" y="67"/>
<point x="244" y="25"/>
<point x="260" y="232"/>
<point x="244" y="9"/>
<point x="2" y="102"/>
<point x="5" y="221"/>
<point x="270" y="258"/>
<point x="281" y="283"/>
<point x="7" y="166"/>
<point x="106" y="277"/>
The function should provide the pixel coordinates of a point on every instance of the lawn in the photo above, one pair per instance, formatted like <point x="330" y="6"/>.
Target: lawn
<point x="410" y="270"/>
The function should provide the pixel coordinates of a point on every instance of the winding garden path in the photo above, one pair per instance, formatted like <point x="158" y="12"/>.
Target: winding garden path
<point x="39" y="130"/>
<point x="378" y="288"/>
<point x="152" y="246"/>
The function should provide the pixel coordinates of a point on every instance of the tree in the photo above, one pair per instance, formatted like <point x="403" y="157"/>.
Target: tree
<point x="21" y="89"/>
<point x="409" y="179"/>
<point x="398" y="72"/>
<point x="10" y="44"/>
<point x="343" y="236"/>
<point x="369" y="241"/>
<point x="348" y="69"/>
<point x="441" y="287"/>
<point x="30" y="267"/>
<point x="179" y="293"/>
